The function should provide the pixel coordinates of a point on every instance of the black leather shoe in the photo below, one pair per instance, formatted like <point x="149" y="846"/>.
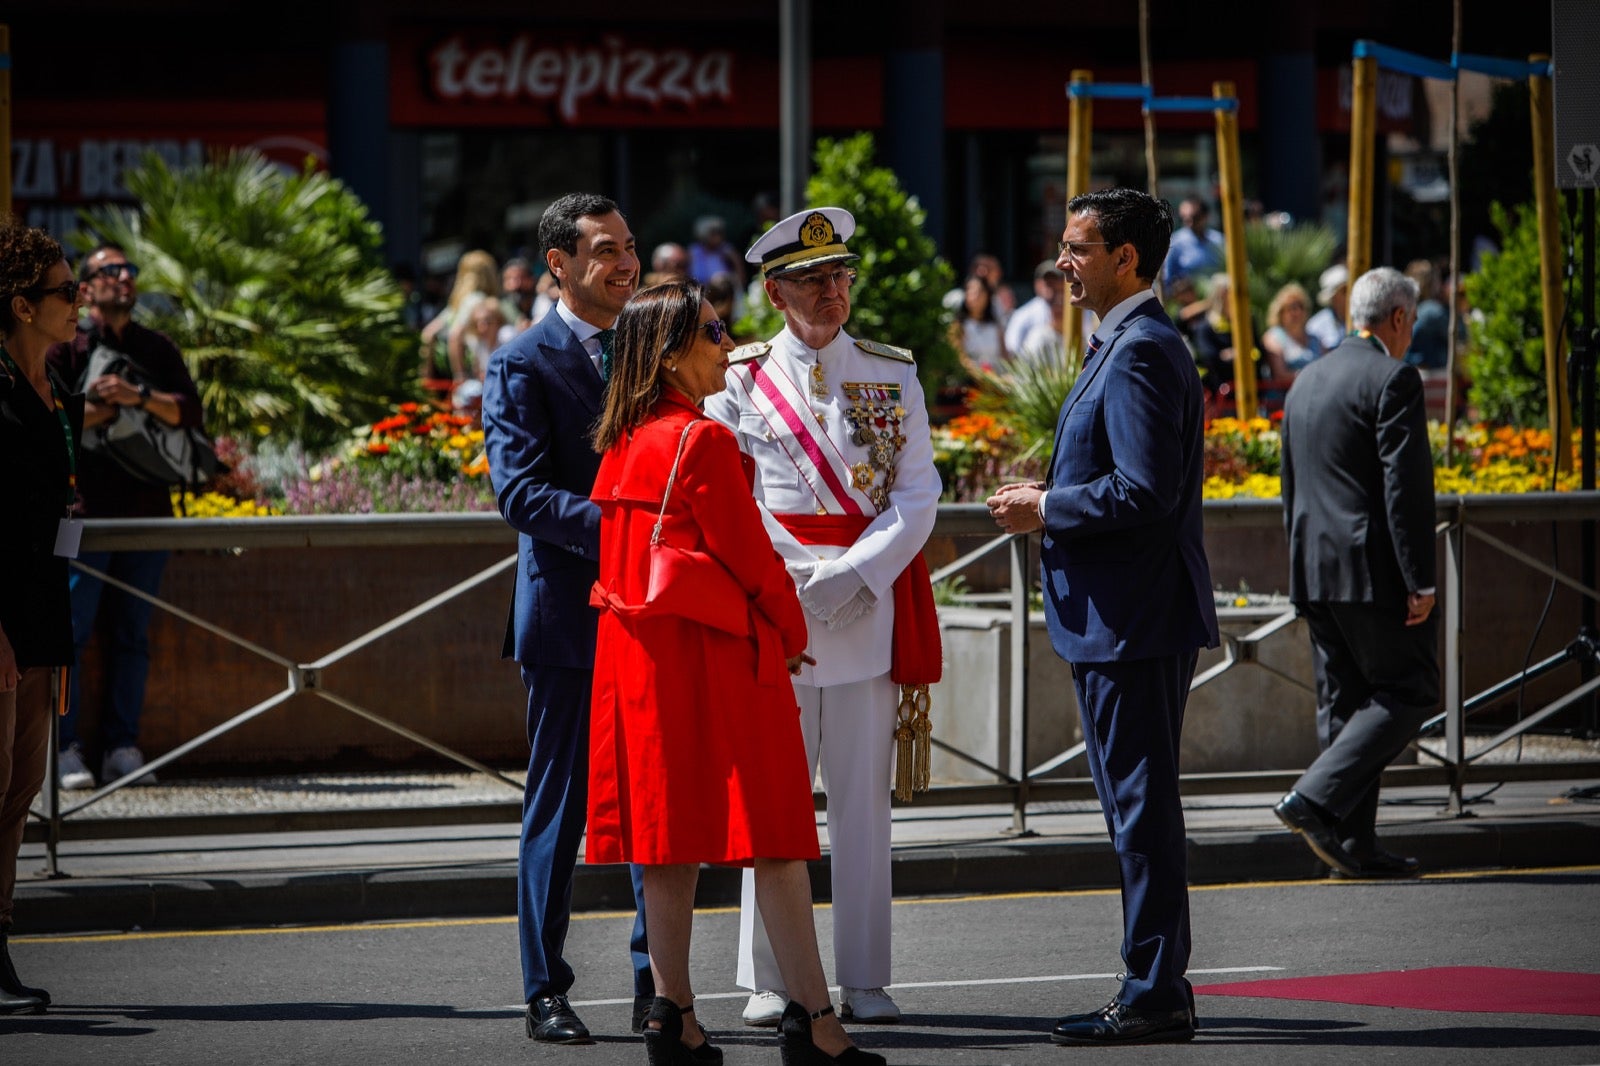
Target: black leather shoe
<point x="1297" y="812"/>
<point x="10" y="983"/>
<point x="552" y="1020"/>
<point x="1117" y="1023"/>
<point x="1088" y="1016"/>
<point x="1380" y="863"/>
<point x="12" y="1003"/>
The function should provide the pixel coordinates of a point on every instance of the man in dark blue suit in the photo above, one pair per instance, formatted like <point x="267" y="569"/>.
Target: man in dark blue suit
<point x="541" y="396"/>
<point x="1127" y="588"/>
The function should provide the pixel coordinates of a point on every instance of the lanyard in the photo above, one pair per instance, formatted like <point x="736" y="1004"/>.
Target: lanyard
<point x="1367" y="335"/>
<point x="66" y="426"/>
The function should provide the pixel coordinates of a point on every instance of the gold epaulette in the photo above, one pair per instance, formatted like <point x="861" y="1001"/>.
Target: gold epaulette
<point x="888" y="351"/>
<point x="746" y="352"/>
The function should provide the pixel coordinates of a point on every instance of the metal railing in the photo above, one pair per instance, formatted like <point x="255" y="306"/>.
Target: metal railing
<point x="1459" y="517"/>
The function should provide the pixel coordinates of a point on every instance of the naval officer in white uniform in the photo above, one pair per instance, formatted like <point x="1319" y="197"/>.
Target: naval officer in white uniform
<point x="838" y="430"/>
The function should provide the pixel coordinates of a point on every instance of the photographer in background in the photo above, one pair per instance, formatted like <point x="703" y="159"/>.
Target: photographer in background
<point x="107" y="490"/>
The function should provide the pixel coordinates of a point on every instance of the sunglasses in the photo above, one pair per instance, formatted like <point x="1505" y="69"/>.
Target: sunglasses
<point x="716" y="329"/>
<point x="113" y="270"/>
<point x="67" y="290"/>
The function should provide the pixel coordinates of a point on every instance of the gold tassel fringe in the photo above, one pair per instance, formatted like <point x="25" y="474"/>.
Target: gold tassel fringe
<point x="913" y="742"/>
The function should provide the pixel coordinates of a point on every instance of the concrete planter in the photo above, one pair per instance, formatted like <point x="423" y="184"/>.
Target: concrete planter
<point x="1251" y="717"/>
<point x="442" y="676"/>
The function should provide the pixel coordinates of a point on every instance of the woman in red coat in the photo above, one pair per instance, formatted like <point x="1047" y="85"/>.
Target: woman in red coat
<point x="695" y="752"/>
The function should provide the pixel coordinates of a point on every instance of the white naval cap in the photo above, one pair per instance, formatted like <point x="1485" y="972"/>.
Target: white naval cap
<point x="805" y="238"/>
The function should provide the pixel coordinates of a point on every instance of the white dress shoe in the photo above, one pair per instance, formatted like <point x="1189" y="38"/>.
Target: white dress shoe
<point x="765" y="1008"/>
<point x="867" y="1005"/>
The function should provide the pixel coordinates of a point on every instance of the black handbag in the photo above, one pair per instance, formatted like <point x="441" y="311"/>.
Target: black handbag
<point x="143" y="445"/>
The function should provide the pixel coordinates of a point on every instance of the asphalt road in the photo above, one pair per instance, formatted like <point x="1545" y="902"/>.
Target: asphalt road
<point x="981" y="980"/>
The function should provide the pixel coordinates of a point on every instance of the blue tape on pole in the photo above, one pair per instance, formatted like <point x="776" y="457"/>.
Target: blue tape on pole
<point x="1515" y="69"/>
<point x="5" y="60"/>
<point x="1405" y="62"/>
<point x="1108" y="90"/>
<point x="1191" y="103"/>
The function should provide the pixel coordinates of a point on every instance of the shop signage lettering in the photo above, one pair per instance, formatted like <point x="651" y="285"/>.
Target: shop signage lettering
<point x="568" y="74"/>
<point x="90" y="168"/>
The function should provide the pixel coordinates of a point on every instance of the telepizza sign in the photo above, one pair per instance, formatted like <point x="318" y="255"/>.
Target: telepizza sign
<point x="534" y="78"/>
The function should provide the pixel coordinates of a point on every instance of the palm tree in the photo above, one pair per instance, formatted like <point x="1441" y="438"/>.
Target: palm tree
<point x="274" y="287"/>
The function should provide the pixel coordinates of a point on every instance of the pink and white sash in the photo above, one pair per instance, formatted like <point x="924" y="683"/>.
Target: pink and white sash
<point x="782" y="403"/>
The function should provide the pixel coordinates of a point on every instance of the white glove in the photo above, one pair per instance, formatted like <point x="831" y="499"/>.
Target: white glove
<point x="830" y="587"/>
<point x="853" y="609"/>
<point x="800" y="573"/>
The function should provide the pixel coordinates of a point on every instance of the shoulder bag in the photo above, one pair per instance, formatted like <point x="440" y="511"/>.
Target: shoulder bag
<point x="692" y="584"/>
<point x="147" y="448"/>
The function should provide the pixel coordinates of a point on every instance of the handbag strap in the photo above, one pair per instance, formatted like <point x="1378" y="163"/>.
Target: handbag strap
<point x="655" y="534"/>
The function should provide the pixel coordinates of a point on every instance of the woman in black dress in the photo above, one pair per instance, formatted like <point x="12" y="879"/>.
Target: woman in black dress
<point x="39" y="426"/>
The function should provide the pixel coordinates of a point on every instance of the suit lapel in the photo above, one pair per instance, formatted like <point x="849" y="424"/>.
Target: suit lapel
<point x="567" y="357"/>
<point x="1091" y="372"/>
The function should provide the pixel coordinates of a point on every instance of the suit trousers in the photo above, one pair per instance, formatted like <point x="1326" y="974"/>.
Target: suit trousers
<point x="1132" y="716"/>
<point x="554" y="808"/>
<point x="1377" y="682"/>
<point x="850" y="730"/>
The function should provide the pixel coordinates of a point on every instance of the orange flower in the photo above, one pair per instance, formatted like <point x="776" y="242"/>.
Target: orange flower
<point x="377" y="447"/>
<point x="409" y="408"/>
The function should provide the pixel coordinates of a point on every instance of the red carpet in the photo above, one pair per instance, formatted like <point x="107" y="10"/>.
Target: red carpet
<point x="1459" y="988"/>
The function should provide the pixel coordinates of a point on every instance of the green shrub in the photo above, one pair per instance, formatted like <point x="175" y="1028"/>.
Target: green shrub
<point x="1506" y="360"/>
<point x="898" y="299"/>
<point x="274" y="287"/>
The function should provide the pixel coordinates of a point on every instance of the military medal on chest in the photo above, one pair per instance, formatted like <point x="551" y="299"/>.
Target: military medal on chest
<point x="819" y="383"/>
<point x="875" y="415"/>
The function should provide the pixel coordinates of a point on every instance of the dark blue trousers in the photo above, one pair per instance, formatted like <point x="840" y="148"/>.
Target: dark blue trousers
<point x="554" y="808"/>
<point x="127" y="655"/>
<point x="1132" y="717"/>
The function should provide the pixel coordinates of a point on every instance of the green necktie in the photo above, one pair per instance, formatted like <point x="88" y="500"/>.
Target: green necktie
<point x="606" y="337"/>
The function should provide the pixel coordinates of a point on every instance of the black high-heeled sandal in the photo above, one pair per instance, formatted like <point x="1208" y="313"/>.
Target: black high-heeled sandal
<point x="796" y="1047"/>
<point x="665" y="1046"/>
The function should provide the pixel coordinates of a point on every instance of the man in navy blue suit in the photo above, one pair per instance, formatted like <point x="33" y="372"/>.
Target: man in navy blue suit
<point x="1128" y="588"/>
<point x="541" y="395"/>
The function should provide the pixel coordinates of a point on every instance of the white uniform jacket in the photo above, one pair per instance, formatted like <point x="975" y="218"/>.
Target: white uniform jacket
<point x="854" y="440"/>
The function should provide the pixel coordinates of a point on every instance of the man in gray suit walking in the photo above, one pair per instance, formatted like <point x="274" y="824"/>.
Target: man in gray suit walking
<point x="1359" y="509"/>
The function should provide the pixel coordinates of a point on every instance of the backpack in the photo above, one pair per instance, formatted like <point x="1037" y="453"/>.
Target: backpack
<point x="143" y="445"/>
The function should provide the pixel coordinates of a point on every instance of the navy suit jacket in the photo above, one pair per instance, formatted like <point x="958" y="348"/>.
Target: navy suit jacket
<point x="541" y="397"/>
<point x="1124" y="563"/>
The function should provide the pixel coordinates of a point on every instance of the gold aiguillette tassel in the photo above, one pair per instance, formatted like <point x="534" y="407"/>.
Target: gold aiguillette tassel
<point x="922" y="726"/>
<point x="903" y="750"/>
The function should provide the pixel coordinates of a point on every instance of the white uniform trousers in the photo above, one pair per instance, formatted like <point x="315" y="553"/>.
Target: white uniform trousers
<point x="851" y="726"/>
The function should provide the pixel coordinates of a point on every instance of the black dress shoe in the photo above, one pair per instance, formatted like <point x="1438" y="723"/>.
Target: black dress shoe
<point x="1301" y="816"/>
<point x="1380" y="863"/>
<point x="1117" y="1023"/>
<point x="552" y="1020"/>
<point x="15" y="1003"/>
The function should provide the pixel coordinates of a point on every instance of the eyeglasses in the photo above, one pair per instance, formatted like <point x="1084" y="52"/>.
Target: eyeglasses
<point x="815" y="283"/>
<point x="1075" y="249"/>
<point x="716" y="328"/>
<point x="113" y="270"/>
<point x="67" y="290"/>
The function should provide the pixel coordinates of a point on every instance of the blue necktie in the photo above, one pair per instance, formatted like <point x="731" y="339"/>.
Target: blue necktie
<point x="606" y="337"/>
<point x="1094" y="346"/>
